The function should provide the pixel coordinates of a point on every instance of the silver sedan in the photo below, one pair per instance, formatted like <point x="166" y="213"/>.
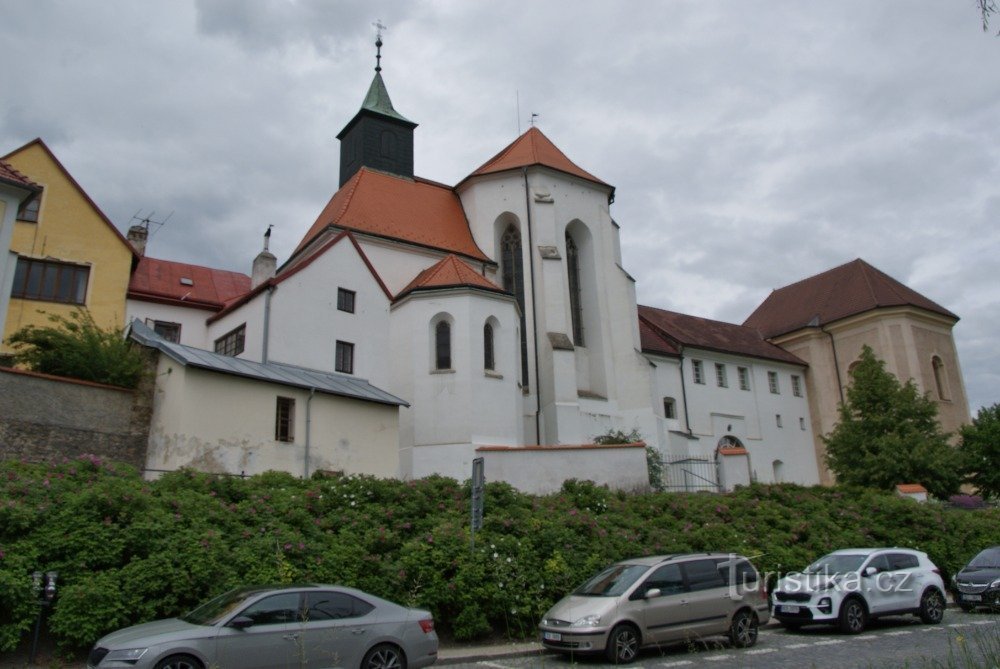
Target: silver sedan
<point x="307" y="626"/>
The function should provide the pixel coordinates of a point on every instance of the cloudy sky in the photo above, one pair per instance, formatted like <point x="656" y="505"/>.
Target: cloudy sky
<point x="752" y="143"/>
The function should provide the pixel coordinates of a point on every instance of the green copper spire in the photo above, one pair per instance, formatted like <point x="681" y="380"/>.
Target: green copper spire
<point x="378" y="100"/>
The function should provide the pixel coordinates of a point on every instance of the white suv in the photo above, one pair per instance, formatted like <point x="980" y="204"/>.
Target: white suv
<point x="848" y="587"/>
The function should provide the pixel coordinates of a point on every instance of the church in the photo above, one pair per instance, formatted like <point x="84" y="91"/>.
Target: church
<point x="418" y="326"/>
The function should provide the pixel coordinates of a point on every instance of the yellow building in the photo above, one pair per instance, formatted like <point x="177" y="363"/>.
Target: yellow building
<point x="69" y="254"/>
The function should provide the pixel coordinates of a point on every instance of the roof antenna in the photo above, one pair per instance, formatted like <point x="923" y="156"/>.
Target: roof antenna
<point x="267" y="237"/>
<point x="533" y="117"/>
<point x="378" y="44"/>
<point x="138" y="232"/>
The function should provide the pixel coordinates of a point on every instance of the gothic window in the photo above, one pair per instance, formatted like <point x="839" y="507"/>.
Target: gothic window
<point x="488" y="361"/>
<point x="575" y="304"/>
<point x="940" y="378"/>
<point x="512" y="268"/>
<point x="442" y="345"/>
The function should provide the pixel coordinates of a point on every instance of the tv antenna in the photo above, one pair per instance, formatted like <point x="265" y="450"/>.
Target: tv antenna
<point x="147" y="221"/>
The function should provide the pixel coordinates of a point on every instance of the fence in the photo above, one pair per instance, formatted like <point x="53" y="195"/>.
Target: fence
<point x="691" y="475"/>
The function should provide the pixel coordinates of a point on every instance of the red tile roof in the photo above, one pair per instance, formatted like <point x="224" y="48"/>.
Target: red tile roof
<point x="681" y="330"/>
<point x="178" y="283"/>
<point x="8" y="174"/>
<point x="449" y="272"/>
<point x="847" y="290"/>
<point x="533" y="148"/>
<point x="420" y="212"/>
<point x="910" y="488"/>
<point x="653" y="342"/>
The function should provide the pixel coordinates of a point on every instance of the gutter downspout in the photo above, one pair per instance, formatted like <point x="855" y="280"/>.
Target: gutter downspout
<point x="534" y="319"/>
<point x="312" y="393"/>
<point x="836" y="363"/>
<point x="267" y="323"/>
<point x="684" y="397"/>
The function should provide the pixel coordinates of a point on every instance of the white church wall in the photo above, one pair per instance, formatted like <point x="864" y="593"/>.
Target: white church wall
<point x="251" y="315"/>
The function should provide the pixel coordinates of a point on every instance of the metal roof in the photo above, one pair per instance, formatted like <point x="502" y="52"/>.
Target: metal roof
<point x="271" y="372"/>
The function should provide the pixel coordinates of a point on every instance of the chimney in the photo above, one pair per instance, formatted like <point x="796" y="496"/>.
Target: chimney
<point x="265" y="264"/>
<point x="137" y="236"/>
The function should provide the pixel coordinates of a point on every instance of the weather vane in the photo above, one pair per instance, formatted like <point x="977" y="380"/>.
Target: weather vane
<point x="378" y="43"/>
<point x="533" y="117"/>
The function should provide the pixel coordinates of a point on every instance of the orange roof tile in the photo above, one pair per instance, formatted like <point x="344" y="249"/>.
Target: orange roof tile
<point x="681" y="330"/>
<point x="910" y="488"/>
<point x="847" y="290"/>
<point x="420" y="212"/>
<point x="8" y="174"/>
<point x="171" y="282"/>
<point x="449" y="272"/>
<point x="533" y="148"/>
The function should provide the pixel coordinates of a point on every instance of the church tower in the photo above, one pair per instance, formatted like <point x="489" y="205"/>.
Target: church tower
<point x="378" y="136"/>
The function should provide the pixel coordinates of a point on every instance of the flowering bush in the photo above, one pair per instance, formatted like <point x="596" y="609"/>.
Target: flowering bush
<point x="129" y="550"/>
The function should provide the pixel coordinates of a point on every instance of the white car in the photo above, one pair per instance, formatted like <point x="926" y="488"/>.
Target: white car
<point x="849" y="587"/>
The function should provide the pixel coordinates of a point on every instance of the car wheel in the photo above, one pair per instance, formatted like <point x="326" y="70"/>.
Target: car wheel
<point x="853" y="616"/>
<point x="932" y="607"/>
<point x="178" y="662"/>
<point x="384" y="656"/>
<point x="623" y="644"/>
<point x="743" y="630"/>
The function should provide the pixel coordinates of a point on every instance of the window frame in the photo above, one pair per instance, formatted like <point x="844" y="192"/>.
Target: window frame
<point x="235" y="340"/>
<point x="284" y="419"/>
<point x="442" y="346"/>
<point x="744" y="377"/>
<point x="796" y="385"/>
<point x="344" y="357"/>
<point x="670" y="408"/>
<point x="343" y="297"/>
<point x="721" y="377"/>
<point x="772" y="383"/>
<point x="575" y="290"/>
<point x="697" y="372"/>
<point x="489" y="350"/>
<point x="30" y="210"/>
<point x="165" y="328"/>
<point x="49" y="283"/>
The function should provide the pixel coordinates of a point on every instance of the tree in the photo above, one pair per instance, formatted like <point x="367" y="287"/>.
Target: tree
<point x="980" y="450"/>
<point x="654" y="461"/>
<point x="888" y="434"/>
<point x="987" y="8"/>
<point x="76" y="347"/>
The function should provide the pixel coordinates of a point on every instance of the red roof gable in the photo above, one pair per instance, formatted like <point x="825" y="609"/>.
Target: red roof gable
<point x="449" y="272"/>
<point x="420" y="212"/>
<point x="533" y="148"/>
<point x="11" y="176"/>
<point x="682" y="330"/>
<point x="188" y="285"/>
<point x="653" y="342"/>
<point x="847" y="290"/>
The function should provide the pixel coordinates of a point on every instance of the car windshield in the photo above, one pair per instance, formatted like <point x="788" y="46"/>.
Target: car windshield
<point x="214" y="610"/>
<point x="613" y="581"/>
<point x="988" y="559"/>
<point x="836" y="563"/>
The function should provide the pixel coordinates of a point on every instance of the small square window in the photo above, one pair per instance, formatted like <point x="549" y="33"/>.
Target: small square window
<point x="720" y="376"/>
<point x="28" y="210"/>
<point x="345" y="300"/>
<point x="697" y="371"/>
<point x="772" y="383"/>
<point x="669" y="408"/>
<point x="345" y="357"/>
<point x="284" y="420"/>
<point x="744" y="374"/>
<point x="796" y="386"/>
<point x="167" y="330"/>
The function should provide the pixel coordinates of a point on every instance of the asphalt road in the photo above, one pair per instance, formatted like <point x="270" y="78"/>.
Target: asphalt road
<point x="889" y="643"/>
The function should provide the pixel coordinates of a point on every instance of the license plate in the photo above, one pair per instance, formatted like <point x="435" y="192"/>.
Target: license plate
<point x="972" y="598"/>
<point x="787" y="608"/>
<point x="552" y="636"/>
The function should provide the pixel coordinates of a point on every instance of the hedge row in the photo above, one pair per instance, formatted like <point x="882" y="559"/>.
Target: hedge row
<point x="129" y="550"/>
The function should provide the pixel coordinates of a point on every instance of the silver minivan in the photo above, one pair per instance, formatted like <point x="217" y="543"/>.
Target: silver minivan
<point x="659" y="600"/>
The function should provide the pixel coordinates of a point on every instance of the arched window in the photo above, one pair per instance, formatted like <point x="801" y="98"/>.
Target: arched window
<point x="575" y="305"/>
<point x="442" y="345"/>
<point x="488" y="362"/>
<point x="940" y="378"/>
<point x="512" y="269"/>
<point x="778" y="467"/>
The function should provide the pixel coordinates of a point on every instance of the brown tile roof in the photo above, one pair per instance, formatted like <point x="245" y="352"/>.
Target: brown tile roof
<point x="847" y="290"/>
<point x="683" y="331"/>
<point x="533" y="148"/>
<point x="178" y="283"/>
<point x="909" y="488"/>
<point x="653" y="342"/>
<point x="420" y="212"/>
<point x="8" y="174"/>
<point x="449" y="272"/>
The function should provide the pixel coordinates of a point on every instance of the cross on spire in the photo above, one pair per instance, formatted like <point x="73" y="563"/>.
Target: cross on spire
<point x="378" y="43"/>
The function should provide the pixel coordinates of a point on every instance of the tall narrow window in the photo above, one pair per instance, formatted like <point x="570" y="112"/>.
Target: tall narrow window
<point x="488" y="362"/>
<point x="345" y="357"/>
<point x="939" y="378"/>
<point x="796" y="385"/>
<point x="669" y="408"/>
<point x="744" y="374"/>
<point x="442" y="345"/>
<point x="777" y="419"/>
<point x="575" y="304"/>
<point x="345" y="300"/>
<point x="284" y="420"/>
<point x="721" y="379"/>
<point x="697" y="372"/>
<point x="512" y="267"/>
<point x="772" y="382"/>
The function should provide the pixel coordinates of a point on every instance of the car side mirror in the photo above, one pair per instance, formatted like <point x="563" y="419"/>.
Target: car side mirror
<point x="652" y="593"/>
<point x="240" y="622"/>
<point x="870" y="571"/>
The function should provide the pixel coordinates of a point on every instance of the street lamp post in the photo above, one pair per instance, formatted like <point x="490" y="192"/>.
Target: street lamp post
<point x="44" y="588"/>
